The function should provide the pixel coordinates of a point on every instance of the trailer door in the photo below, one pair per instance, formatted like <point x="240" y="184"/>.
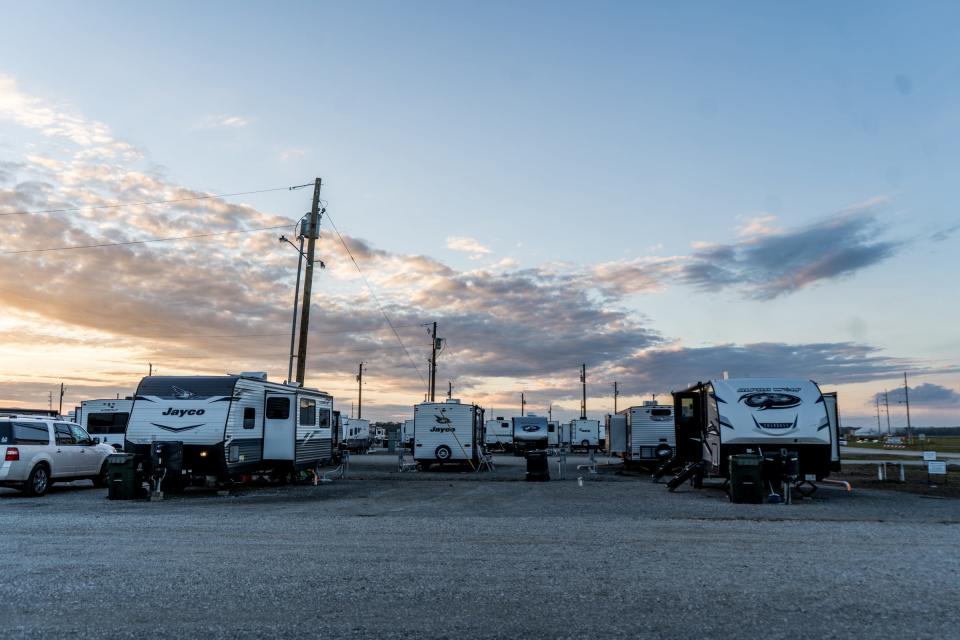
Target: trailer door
<point x="689" y="418"/>
<point x="279" y="427"/>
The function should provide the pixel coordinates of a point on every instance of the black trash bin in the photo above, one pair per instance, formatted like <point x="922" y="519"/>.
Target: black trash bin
<point x="122" y="481"/>
<point x="746" y="478"/>
<point x="538" y="467"/>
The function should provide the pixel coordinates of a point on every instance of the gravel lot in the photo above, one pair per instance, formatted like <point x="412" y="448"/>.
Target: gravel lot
<point x="451" y="554"/>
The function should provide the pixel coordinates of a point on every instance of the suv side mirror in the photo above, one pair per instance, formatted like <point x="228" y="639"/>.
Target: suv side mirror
<point x="96" y="441"/>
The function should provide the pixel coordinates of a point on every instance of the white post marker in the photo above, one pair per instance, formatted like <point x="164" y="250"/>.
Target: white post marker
<point x="935" y="468"/>
<point x="929" y="456"/>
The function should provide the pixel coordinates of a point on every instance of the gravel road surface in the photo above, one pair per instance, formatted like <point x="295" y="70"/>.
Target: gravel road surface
<point x="457" y="555"/>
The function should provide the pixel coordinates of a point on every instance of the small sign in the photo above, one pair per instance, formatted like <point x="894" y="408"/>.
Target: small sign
<point x="929" y="455"/>
<point x="810" y="477"/>
<point x="937" y="468"/>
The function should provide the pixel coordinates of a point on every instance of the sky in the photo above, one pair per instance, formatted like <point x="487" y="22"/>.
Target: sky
<point x="663" y="192"/>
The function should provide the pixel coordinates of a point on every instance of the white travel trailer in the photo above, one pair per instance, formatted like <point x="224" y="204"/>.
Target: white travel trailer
<point x="447" y="432"/>
<point x="584" y="433"/>
<point x="356" y="434"/>
<point x="498" y="433"/>
<point x="650" y="432"/>
<point x="407" y="434"/>
<point x="553" y="433"/>
<point x="105" y="419"/>
<point x="720" y="418"/>
<point x="530" y="433"/>
<point x="232" y="425"/>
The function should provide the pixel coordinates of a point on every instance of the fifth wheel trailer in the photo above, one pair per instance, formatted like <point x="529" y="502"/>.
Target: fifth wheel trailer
<point x="447" y="432"/>
<point x="720" y="418"/>
<point x="233" y="425"/>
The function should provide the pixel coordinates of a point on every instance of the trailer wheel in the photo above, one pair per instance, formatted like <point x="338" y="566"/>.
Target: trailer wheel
<point x="585" y="444"/>
<point x="443" y="453"/>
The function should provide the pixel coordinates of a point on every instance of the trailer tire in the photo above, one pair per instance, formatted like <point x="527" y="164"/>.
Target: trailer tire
<point x="443" y="453"/>
<point x="585" y="444"/>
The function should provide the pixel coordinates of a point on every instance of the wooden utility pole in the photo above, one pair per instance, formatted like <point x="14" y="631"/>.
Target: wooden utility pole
<point x="886" y="403"/>
<point x="616" y="394"/>
<point x="60" y="409"/>
<point x="583" y="402"/>
<point x="906" y="401"/>
<point x="433" y="364"/>
<point x="877" y="398"/>
<point x="360" y="392"/>
<point x="523" y="404"/>
<point x="308" y="283"/>
<point x="449" y="389"/>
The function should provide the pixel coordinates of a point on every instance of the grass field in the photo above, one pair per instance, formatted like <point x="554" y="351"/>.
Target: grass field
<point x="932" y="443"/>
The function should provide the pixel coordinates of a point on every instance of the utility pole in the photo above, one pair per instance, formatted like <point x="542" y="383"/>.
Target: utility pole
<point x="449" y="389"/>
<point x="50" y="400"/>
<point x="314" y="231"/>
<point x="886" y="403"/>
<point x="550" y="412"/>
<point x="433" y="364"/>
<point x="877" y="398"/>
<point x="616" y="394"/>
<point x="150" y="372"/>
<point x="360" y="392"/>
<point x="583" y="402"/>
<point x="523" y="403"/>
<point x="60" y="409"/>
<point x="296" y="301"/>
<point x="906" y="401"/>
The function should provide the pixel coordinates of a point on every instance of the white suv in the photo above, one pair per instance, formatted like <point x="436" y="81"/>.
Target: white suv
<point x="36" y="452"/>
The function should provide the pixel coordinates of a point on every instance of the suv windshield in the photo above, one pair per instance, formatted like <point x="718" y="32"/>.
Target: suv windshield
<point x="24" y="433"/>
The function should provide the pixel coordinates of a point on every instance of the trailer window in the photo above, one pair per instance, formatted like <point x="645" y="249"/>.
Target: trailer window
<point x="249" y="418"/>
<point x="660" y="412"/>
<point x="278" y="408"/>
<point x="107" y="423"/>
<point x="686" y="407"/>
<point x="324" y="419"/>
<point x="308" y="412"/>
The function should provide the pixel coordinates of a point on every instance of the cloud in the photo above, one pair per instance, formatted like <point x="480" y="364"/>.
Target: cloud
<point x="944" y="234"/>
<point x="223" y="304"/>
<point x="225" y="121"/>
<point x="773" y="263"/>
<point x="924" y="395"/>
<point x="467" y="245"/>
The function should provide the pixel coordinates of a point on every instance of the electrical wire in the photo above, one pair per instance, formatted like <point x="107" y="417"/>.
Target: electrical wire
<point x="118" y="205"/>
<point x="376" y="299"/>
<point x="148" y="241"/>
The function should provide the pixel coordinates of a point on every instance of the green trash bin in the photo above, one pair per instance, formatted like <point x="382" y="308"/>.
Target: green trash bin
<point x="746" y="478"/>
<point x="122" y="476"/>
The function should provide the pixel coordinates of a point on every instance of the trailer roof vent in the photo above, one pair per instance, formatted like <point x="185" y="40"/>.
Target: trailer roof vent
<point x="649" y="403"/>
<point x="453" y="401"/>
<point x="254" y="375"/>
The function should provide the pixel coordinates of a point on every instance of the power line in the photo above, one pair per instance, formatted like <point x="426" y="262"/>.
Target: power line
<point x="118" y="205"/>
<point x="376" y="299"/>
<point x="151" y="240"/>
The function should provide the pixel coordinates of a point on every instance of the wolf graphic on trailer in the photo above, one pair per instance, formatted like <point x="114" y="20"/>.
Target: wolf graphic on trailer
<point x="720" y="418"/>
<point x="232" y="425"/>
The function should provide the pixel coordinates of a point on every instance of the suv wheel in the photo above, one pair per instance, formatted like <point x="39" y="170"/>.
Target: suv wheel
<point x="38" y="481"/>
<point x="100" y="480"/>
